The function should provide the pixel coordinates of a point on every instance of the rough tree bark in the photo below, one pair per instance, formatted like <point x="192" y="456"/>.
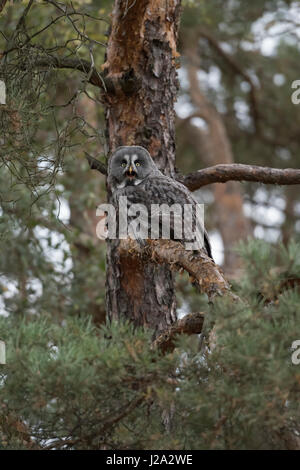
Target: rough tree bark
<point x="141" y="70"/>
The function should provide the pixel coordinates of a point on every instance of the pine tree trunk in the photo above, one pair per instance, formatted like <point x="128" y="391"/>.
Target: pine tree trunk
<point x="141" y="67"/>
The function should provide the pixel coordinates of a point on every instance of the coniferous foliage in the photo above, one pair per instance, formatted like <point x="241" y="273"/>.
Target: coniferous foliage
<point x="72" y="385"/>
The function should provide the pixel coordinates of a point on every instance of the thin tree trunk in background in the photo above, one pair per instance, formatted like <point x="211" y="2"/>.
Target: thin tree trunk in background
<point x="141" y="64"/>
<point x="85" y="221"/>
<point x="230" y="218"/>
<point x="288" y="227"/>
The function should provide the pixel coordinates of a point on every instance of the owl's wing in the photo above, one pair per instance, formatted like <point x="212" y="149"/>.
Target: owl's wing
<point x="163" y="190"/>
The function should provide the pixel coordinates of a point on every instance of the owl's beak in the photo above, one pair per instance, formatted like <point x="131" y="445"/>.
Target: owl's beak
<point x="130" y="172"/>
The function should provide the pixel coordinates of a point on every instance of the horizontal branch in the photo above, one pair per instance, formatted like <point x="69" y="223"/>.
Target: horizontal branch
<point x="96" y="164"/>
<point x="190" y="324"/>
<point x="225" y="172"/>
<point x="238" y="172"/>
<point x="126" y="83"/>
<point x="203" y="271"/>
<point x="94" y="76"/>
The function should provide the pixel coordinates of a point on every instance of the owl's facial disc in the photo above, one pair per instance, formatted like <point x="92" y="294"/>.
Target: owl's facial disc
<point x="130" y="166"/>
<point x="131" y="172"/>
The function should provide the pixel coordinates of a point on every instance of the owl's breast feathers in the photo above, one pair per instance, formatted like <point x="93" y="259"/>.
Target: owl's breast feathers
<point x="160" y="189"/>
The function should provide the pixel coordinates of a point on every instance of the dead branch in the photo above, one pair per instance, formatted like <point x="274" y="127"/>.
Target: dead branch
<point x="127" y="83"/>
<point x="203" y="271"/>
<point x="96" y="164"/>
<point x="204" y="274"/>
<point x="95" y="78"/>
<point x="238" y="172"/>
<point x="190" y="324"/>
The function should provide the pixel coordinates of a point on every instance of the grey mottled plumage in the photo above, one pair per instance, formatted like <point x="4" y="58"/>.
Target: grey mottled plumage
<point x="133" y="173"/>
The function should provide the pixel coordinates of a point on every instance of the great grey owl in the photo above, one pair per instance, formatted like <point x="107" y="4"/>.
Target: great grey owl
<point x="133" y="173"/>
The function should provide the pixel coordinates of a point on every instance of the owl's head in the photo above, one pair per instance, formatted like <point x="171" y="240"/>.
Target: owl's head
<point x="130" y="166"/>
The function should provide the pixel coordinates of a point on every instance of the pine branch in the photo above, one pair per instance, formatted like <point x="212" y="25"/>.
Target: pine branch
<point x="13" y="424"/>
<point x="238" y="172"/>
<point x="107" y="426"/>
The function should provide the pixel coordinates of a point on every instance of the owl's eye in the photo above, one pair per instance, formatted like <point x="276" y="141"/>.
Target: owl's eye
<point x="137" y="164"/>
<point x="123" y="164"/>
